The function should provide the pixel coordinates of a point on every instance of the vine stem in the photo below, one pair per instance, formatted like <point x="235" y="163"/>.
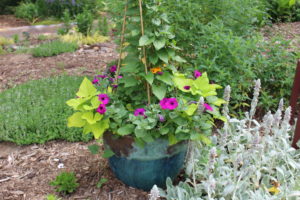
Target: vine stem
<point x="144" y="52"/>
<point x="122" y="42"/>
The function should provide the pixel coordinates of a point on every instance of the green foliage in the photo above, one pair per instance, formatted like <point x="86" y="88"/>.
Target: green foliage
<point x="35" y="112"/>
<point x="65" y="183"/>
<point x="53" y="48"/>
<point x="56" y="8"/>
<point x="42" y="37"/>
<point x="67" y="23"/>
<point x="103" y="25"/>
<point x="16" y="38"/>
<point x="284" y="10"/>
<point x="84" y="22"/>
<point x="52" y="197"/>
<point x="7" y="5"/>
<point x="27" y="11"/>
<point x="101" y="182"/>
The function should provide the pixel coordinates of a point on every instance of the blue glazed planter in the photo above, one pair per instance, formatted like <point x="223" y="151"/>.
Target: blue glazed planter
<point x="143" y="167"/>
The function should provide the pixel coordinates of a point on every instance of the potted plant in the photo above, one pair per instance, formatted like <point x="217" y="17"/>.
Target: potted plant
<point x="147" y="110"/>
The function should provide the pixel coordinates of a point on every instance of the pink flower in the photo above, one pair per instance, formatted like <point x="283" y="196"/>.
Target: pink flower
<point x="139" y="112"/>
<point x="168" y="103"/>
<point x="160" y="73"/>
<point x="104" y="98"/>
<point x="187" y="87"/>
<point x="102" y="76"/>
<point x="120" y="77"/>
<point x="197" y="74"/>
<point x="113" y="68"/>
<point x="163" y="102"/>
<point x="172" y="103"/>
<point x="95" y="81"/>
<point x="101" y="109"/>
<point x="207" y="107"/>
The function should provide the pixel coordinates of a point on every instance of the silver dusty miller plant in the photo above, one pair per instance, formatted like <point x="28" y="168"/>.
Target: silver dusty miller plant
<point x="249" y="160"/>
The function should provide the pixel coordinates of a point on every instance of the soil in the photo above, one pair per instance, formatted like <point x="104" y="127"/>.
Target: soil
<point x="289" y="31"/>
<point x="19" y="68"/>
<point x="26" y="172"/>
<point x="9" y="21"/>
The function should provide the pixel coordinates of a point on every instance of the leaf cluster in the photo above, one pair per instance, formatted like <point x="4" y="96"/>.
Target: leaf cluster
<point x="65" y="182"/>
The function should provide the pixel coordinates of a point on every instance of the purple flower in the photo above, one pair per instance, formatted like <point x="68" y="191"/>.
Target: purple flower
<point x="187" y="87"/>
<point x="114" y="86"/>
<point x="104" y="98"/>
<point x="168" y="103"/>
<point x="197" y="74"/>
<point x="172" y="103"/>
<point x="159" y="73"/>
<point x="207" y="107"/>
<point x="163" y="102"/>
<point x="139" y="112"/>
<point x="95" y="81"/>
<point x="113" y="68"/>
<point x="102" y="76"/>
<point x="161" y="118"/>
<point x="101" y="109"/>
<point x="120" y="77"/>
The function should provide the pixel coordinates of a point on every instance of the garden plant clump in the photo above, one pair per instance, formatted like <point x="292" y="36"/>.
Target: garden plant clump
<point x="248" y="159"/>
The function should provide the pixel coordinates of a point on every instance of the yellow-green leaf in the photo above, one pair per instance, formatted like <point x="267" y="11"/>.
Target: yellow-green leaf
<point x="99" y="128"/>
<point x="205" y="139"/>
<point x="76" y="121"/>
<point x="91" y="118"/>
<point x="86" y="89"/>
<point x="191" y="109"/>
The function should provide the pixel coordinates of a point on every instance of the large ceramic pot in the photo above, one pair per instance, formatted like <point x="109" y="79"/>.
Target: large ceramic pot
<point x="143" y="167"/>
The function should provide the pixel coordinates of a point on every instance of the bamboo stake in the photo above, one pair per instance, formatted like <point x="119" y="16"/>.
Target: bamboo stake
<point x="144" y="51"/>
<point x="122" y="42"/>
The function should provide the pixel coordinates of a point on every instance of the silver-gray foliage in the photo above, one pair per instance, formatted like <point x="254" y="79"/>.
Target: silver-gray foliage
<point x="244" y="162"/>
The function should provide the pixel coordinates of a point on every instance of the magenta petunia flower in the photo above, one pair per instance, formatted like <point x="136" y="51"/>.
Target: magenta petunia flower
<point x="172" y="103"/>
<point x="120" y="77"/>
<point x="104" y="98"/>
<point x="197" y="74"/>
<point x="160" y="73"/>
<point x="95" y="81"/>
<point x="207" y="107"/>
<point x="113" y="68"/>
<point x="163" y="102"/>
<point x="187" y="87"/>
<point x="101" y="109"/>
<point x="114" y="86"/>
<point x="139" y="112"/>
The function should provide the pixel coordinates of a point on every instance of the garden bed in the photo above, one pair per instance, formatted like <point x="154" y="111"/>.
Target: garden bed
<point x="27" y="171"/>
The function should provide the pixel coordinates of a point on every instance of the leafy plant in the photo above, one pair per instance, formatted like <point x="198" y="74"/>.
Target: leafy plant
<point x="35" y="112"/>
<point x="27" y="11"/>
<point x="284" y="10"/>
<point x="67" y="23"/>
<point x="103" y="26"/>
<point x="249" y="160"/>
<point x="53" y="48"/>
<point x="52" y="197"/>
<point x="65" y="182"/>
<point x="81" y="39"/>
<point x="101" y="182"/>
<point x="84" y="22"/>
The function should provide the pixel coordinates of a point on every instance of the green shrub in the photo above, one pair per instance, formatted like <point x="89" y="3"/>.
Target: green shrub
<point x="103" y="26"/>
<point x="36" y="112"/>
<point x="84" y="22"/>
<point x="284" y="10"/>
<point x="27" y="11"/>
<point x="6" y="6"/>
<point x="56" y="8"/>
<point x="53" y="48"/>
<point x="65" y="182"/>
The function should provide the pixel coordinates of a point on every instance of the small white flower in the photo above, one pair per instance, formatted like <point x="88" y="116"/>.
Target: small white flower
<point x="60" y="166"/>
